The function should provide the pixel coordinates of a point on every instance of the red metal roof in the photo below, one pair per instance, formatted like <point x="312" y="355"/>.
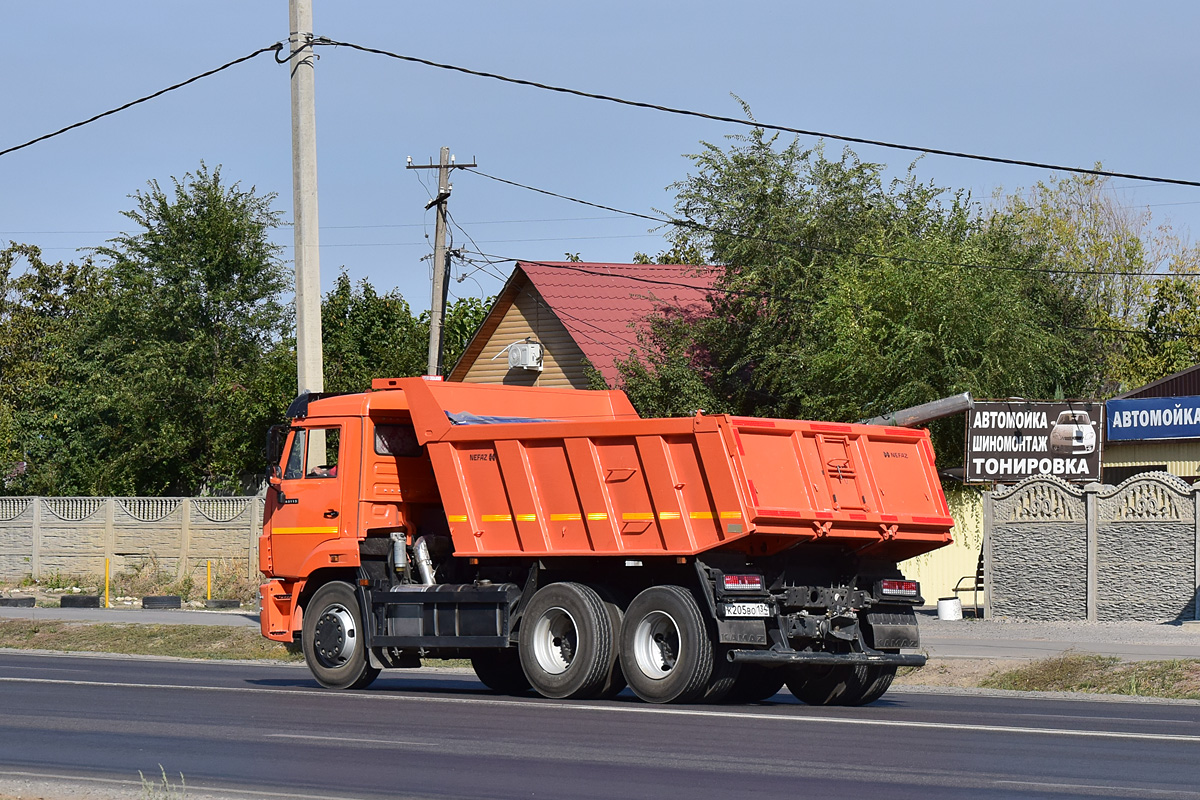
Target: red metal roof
<point x="602" y="305"/>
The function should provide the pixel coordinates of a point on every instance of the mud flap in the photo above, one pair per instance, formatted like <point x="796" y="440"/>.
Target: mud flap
<point x="891" y="630"/>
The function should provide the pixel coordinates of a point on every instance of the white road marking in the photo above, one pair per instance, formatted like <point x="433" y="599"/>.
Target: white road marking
<point x="347" y="739"/>
<point x="1089" y="787"/>
<point x="645" y="709"/>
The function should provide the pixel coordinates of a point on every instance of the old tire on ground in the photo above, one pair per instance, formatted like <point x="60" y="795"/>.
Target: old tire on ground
<point x="756" y="683"/>
<point x="17" y="602"/>
<point x="666" y="653"/>
<point x="500" y="670"/>
<point x="850" y="685"/>
<point x="79" y="601"/>
<point x="334" y="645"/>
<point x="162" y="601"/>
<point x="566" y="641"/>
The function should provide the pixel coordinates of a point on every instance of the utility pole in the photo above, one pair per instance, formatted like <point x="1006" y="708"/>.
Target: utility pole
<point x="310" y="362"/>
<point x="310" y="369"/>
<point x="441" y="258"/>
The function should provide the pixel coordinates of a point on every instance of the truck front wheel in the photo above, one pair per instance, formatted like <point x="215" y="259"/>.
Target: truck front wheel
<point x="666" y="654"/>
<point x="333" y="642"/>
<point x="567" y="641"/>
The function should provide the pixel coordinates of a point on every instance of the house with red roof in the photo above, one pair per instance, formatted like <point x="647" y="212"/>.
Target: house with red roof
<point x="554" y="319"/>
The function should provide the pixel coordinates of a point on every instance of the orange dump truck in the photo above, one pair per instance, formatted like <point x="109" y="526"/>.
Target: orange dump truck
<point x="565" y="545"/>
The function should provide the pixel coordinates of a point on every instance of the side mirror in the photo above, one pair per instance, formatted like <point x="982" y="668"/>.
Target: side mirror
<point x="275" y="475"/>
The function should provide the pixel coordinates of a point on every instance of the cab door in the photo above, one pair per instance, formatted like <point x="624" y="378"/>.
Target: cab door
<point x="307" y="508"/>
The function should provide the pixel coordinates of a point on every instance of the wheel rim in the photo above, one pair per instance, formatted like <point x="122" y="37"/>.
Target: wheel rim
<point x="656" y="645"/>
<point x="336" y="636"/>
<point x="555" y="640"/>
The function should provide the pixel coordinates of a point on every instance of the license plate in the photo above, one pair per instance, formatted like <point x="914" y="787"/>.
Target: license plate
<point x="747" y="610"/>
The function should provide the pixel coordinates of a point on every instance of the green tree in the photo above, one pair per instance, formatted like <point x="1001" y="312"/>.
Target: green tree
<point x="841" y="296"/>
<point x="179" y="363"/>
<point x="40" y="309"/>
<point x="1107" y="250"/>
<point x="463" y="318"/>
<point x="368" y="335"/>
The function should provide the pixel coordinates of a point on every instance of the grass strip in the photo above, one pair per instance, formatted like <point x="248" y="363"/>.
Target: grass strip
<point x="138" y="639"/>
<point x="1073" y="672"/>
<point x="183" y="641"/>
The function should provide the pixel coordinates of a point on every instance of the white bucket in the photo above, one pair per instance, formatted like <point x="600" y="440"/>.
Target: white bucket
<point x="949" y="608"/>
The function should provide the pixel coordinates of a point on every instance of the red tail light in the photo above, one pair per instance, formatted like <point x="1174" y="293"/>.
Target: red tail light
<point x="743" y="583"/>
<point x="898" y="588"/>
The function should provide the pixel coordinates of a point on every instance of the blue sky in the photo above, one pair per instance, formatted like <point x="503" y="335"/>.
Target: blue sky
<point x="1064" y="82"/>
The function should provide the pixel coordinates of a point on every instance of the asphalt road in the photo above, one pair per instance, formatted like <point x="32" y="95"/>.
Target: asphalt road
<point x="256" y="730"/>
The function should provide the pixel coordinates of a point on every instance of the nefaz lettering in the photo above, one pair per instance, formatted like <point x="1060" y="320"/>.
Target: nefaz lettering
<point x="890" y="454"/>
<point x="482" y="457"/>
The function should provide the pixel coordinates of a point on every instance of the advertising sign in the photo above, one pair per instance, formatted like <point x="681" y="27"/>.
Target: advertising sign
<point x="1008" y="440"/>
<point x="1154" y="418"/>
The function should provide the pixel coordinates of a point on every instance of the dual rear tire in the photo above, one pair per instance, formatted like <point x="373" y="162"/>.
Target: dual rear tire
<point x="570" y="639"/>
<point x="851" y="685"/>
<point x="568" y="645"/>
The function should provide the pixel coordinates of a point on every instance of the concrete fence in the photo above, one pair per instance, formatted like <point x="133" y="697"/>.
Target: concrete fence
<point x="1054" y="551"/>
<point x="40" y="536"/>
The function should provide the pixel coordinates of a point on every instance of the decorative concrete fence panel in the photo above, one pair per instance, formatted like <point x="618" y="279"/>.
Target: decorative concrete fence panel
<point x="1036" y="557"/>
<point x="40" y="536"/>
<point x="16" y="535"/>
<point x="70" y="535"/>
<point x="1146" y="550"/>
<point x="1101" y="553"/>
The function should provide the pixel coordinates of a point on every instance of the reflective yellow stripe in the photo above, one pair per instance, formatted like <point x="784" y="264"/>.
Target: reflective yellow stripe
<point x="497" y="517"/>
<point x="456" y="517"/>
<point x="731" y="515"/>
<point x="701" y="515"/>
<point x="597" y="517"/>
<point x="526" y="517"/>
<point x="286" y="531"/>
<point x="567" y="517"/>
<point x="637" y="516"/>
<point x="669" y="515"/>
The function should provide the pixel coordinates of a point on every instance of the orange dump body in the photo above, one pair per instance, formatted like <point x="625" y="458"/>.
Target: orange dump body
<point x="591" y="478"/>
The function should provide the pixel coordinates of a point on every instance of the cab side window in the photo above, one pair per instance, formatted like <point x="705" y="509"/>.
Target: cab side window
<point x="294" y="467"/>
<point x="326" y="467"/>
<point x="396" y="440"/>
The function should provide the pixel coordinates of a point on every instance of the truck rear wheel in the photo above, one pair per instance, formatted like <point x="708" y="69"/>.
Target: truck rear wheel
<point x="850" y="685"/>
<point x="666" y="653"/>
<point x="756" y="683"/>
<point x="333" y="642"/>
<point x="614" y="683"/>
<point x="500" y="670"/>
<point x="566" y="642"/>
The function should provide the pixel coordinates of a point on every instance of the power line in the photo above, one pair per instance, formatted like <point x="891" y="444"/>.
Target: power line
<point x="755" y="124"/>
<point x="692" y="224"/>
<point x="276" y="48"/>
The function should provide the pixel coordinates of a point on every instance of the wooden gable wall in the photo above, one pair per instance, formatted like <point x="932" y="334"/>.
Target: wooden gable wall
<point x="520" y="312"/>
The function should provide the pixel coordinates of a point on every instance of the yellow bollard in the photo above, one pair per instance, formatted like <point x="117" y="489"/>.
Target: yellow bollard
<point x="210" y="579"/>
<point x="106" y="603"/>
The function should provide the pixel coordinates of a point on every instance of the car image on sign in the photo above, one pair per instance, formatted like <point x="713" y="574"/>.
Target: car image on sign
<point x="1073" y="434"/>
